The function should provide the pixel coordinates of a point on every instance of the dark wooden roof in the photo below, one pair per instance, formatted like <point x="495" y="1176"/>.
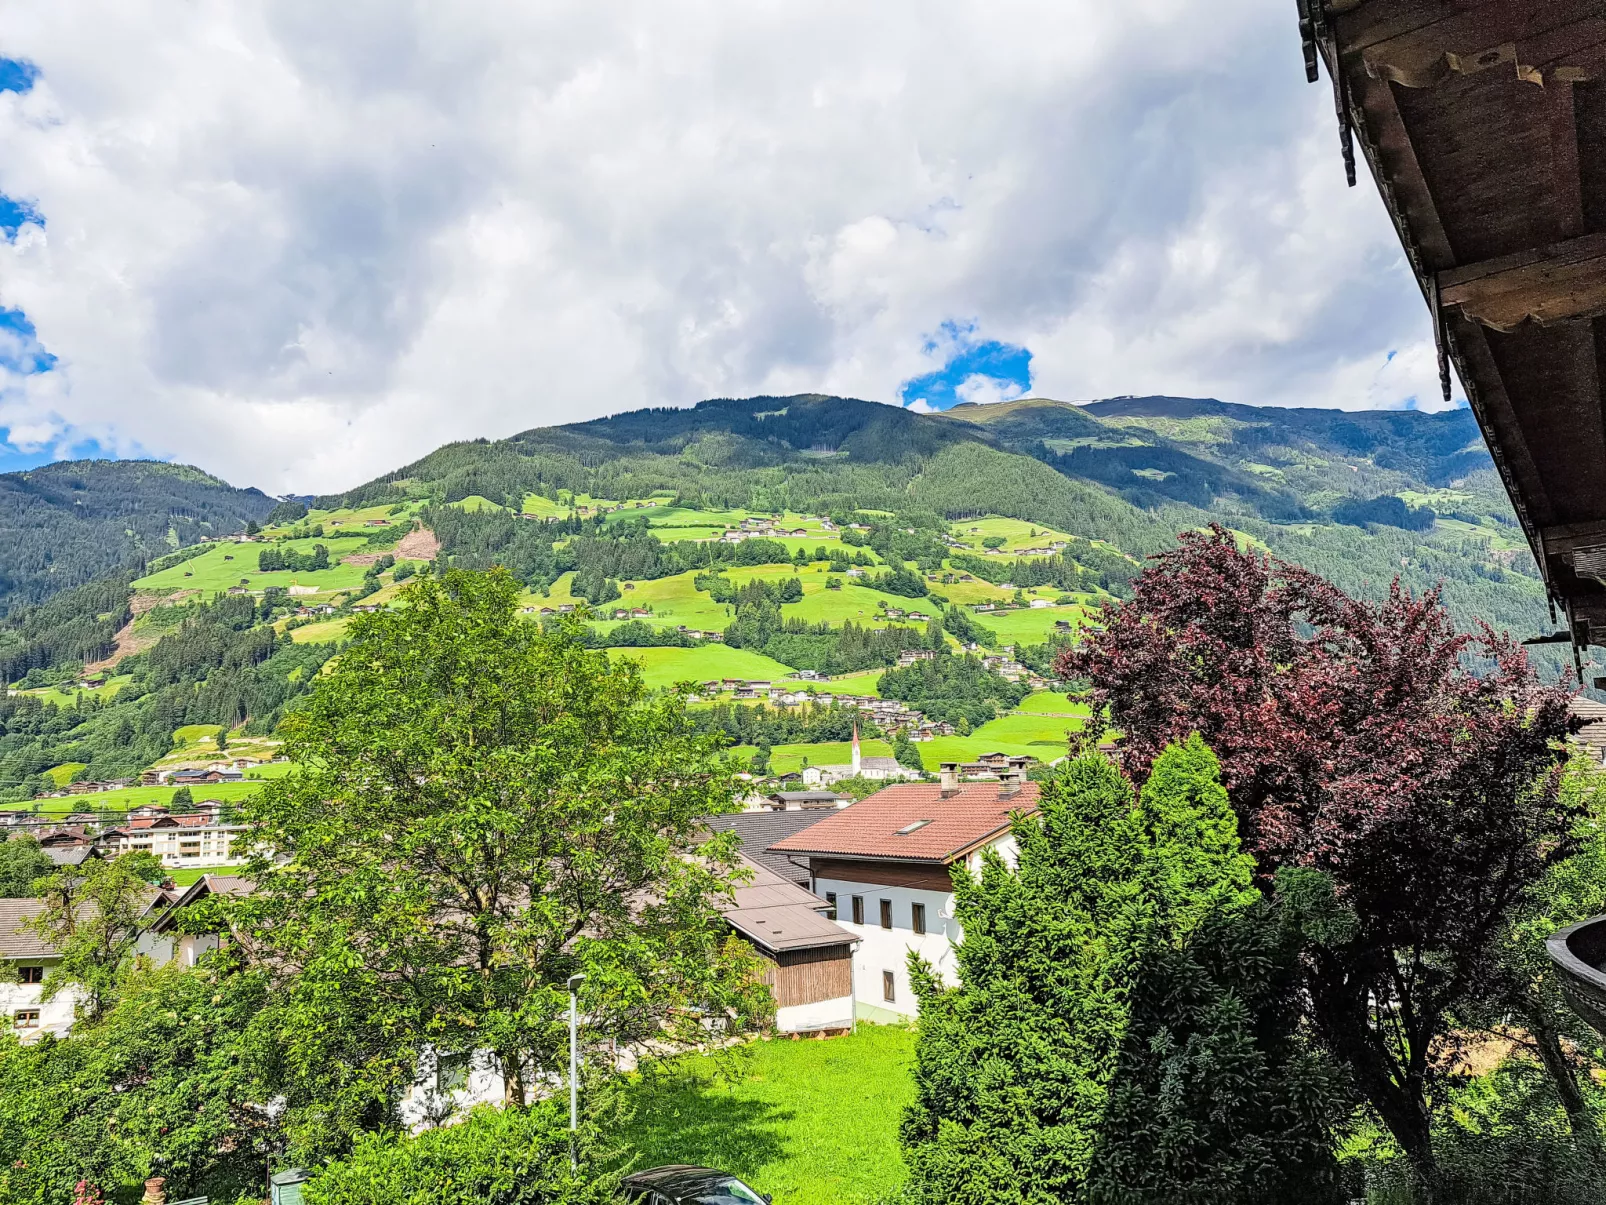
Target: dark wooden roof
<point x="1484" y="125"/>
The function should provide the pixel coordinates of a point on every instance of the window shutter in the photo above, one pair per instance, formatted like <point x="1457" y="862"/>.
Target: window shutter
<point x="917" y="916"/>
<point x="886" y="914"/>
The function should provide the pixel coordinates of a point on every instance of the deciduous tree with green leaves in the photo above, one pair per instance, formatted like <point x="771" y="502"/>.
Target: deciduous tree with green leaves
<point x="21" y="862"/>
<point x="169" y="1081"/>
<point x="480" y="810"/>
<point x="91" y="916"/>
<point x="1125" y="1024"/>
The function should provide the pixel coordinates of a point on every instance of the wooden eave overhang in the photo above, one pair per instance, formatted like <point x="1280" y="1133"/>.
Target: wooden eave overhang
<point x="1484" y="125"/>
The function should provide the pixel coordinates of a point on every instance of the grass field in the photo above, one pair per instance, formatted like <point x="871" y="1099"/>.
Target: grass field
<point x="1050" y="702"/>
<point x="809" y="1122"/>
<point x="968" y="748"/>
<point x="854" y="684"/>
<point x="225" y="565"/>
<point x="1024" y="729"/>
<point x="786" y="758"/>
<point x="1016" y="533"/>
<point x="326" y="631"/>
<point x="63" y="774"/>
<point x="70" y="698"/>
<point x="665" y="667"/>
<point x="1028" y="626"/>
<point x="676" y="600"/>
<point x="133" y="797"/>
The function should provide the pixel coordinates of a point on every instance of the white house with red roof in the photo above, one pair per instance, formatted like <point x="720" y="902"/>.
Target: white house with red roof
<point x="195" y="839"/>
<point x="886" y="863"/>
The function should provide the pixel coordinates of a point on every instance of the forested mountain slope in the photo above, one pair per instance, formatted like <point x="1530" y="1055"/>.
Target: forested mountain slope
<point x="1361" y="497"/>
<point x="760" y="539"/>
<point x="67" y="523"/>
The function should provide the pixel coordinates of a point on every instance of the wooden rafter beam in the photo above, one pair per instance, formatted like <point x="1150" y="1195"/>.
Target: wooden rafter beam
<point x="1556" y="283"/>
<point x="1422" y="44"/>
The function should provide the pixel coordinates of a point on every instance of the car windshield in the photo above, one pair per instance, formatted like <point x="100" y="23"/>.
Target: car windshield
<point x="726" y="1192"/>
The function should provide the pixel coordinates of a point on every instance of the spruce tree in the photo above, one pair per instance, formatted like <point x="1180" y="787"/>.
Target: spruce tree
<point x="1124" y="1028"/>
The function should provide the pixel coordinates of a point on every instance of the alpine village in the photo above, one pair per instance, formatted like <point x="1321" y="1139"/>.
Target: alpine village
<point x="1156" y="799"/>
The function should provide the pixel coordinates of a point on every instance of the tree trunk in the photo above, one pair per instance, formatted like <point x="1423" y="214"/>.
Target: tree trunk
<point x="1548" y="1042"/>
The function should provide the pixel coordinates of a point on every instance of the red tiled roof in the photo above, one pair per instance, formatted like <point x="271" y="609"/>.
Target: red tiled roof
<point x="955" y="826"/>
<point x="187" y="820"/>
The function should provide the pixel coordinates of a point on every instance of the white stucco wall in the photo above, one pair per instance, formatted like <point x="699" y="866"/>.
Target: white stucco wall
<point x="821" y="1014"/>
<point x="888" y="949"/>
<point x="55" y="1016"/>
<point x="424" y="1104"/>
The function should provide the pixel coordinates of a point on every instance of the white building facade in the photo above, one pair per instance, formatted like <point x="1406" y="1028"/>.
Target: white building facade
<point x="887" y="864"/>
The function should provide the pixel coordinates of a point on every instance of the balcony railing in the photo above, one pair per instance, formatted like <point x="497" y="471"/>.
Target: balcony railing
<point x="1579" y="951"/>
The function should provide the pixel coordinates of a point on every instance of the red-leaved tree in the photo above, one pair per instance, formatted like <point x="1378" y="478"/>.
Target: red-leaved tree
<point x="1398" y="779"/>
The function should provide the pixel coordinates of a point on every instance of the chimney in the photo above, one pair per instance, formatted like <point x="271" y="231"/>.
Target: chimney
<point x="1009" y="783"/>
<point x="950" y="778"/>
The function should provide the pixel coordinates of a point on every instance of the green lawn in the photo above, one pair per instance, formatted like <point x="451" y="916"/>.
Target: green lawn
<point x="1016" y="533"/>
<point x="325" y="631"/>
<point x="70" y="698"/>
<point x="854" y="684"/>
<point x="225" y="565"/>
<point x="133" y="797"/>
<point x="1028" y="626"/>
<point x="810" y="1122"/>
<point x="1026" y="729"/>
<point x="666" y="666"/>
<point x="968" y="748"/>
<point x="1050" y="702"/>
<point x="786" y="758"/>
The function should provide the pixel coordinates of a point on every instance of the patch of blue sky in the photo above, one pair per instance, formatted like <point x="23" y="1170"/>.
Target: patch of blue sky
<point x="14" y="213"/>
<point x="17" y="75"/>
<point x="20" y="350"/>
<point x="17" y="457"/>
<point x="974" y="370"/>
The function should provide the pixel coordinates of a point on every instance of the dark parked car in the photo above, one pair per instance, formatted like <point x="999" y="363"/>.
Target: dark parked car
<point x="682" y="1184"/>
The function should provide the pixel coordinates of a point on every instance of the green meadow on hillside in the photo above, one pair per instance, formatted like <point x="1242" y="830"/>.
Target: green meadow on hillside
<point x="225" y="565"/>
<point x="72" y="696"/>
<point x="1050" y="702"/>
<point x="132" y="797"/>
<point x="665" y="666"/>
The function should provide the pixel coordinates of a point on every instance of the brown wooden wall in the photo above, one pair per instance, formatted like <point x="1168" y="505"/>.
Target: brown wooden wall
<point x="931" y="876"/>
<point x="808" y="976"/>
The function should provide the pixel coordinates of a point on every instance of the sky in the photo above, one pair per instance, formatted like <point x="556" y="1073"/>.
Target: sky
<point x="301" y="244"/>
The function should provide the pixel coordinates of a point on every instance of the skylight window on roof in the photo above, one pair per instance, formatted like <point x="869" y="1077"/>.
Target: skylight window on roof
<point x="911" y="828"/>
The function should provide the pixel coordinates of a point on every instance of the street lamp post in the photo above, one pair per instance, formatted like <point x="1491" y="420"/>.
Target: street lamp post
<point x="574" y="1065"/>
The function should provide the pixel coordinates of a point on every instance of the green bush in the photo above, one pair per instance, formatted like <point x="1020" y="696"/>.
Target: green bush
<point x="492" y="1157"/>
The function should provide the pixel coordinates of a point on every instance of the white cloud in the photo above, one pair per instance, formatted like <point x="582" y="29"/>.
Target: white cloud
<point x="921" y="406"/>
<point x="301" y="243"/>
<point x="983" y="389"/>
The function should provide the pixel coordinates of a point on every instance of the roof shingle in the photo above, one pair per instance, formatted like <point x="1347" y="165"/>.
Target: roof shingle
<point x="781" y="916"/>
<point x="912" y="822"/>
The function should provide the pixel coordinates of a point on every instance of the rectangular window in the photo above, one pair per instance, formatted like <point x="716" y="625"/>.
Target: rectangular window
<point x="889" y="991"/>
<point x="830" y="898"/>
<point x="32" y="974"/>
<point x="858" y="910"/>
<point x="917" y="917"/>
<point x="26" y="1018"/>
<point x="886" y="914"/>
